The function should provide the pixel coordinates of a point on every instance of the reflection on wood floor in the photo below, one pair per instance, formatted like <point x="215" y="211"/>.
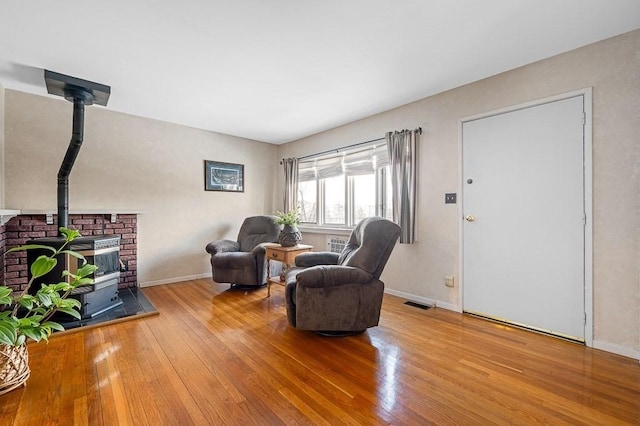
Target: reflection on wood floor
<point x="220" y="356"/>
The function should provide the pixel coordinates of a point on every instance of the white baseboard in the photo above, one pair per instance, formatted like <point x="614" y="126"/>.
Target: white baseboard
<point x="449" y="306"/>
<point x="616" y="349"/>
<point x="423" y="300"/>
<point x="175" y="280"/>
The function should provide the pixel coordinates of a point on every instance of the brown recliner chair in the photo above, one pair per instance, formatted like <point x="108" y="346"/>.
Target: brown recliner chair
<point x="243" y="262"/>
<point x="341" y="294"/>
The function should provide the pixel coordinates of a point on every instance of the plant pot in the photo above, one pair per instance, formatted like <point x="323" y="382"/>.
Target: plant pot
<point x="14" y="367"/>
<point x="289" y="236"/>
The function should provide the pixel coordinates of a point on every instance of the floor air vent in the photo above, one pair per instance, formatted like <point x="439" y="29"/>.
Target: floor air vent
<point x="417" y="305"/>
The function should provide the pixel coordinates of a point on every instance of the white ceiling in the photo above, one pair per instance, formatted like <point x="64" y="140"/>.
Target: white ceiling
<point x="279" y="70"/>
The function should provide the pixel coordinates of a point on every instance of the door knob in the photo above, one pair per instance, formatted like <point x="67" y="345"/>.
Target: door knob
<point x="469" y="218"/>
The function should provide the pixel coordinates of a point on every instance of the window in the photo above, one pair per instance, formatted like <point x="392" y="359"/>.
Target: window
<point x="364" y="196"/>
<point x="385" y="192"/>
<point x="333" y="197"/>
<point x="341" y="190"/>
<point x="308" y="201"/>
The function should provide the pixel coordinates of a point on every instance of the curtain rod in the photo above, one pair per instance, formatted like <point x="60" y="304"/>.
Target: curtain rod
<point x="337" y="150"/>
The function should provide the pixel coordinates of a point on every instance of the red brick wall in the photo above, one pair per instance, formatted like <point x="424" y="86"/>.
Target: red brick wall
<point x="25" y="227"/>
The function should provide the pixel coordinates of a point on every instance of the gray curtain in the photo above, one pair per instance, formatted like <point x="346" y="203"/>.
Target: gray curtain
<point x="290" y="183"/>
<point x="402" y="147"/>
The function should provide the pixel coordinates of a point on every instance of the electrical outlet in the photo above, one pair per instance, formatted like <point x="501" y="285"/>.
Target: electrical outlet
<point x="450" y="198"/>
<point x="448" y="280"/>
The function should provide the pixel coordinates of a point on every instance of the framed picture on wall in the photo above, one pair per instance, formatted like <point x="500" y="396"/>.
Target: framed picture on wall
<point x="219" y="176"/>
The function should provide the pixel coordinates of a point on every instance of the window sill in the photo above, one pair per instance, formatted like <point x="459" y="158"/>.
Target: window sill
<point x="325" y="230"/>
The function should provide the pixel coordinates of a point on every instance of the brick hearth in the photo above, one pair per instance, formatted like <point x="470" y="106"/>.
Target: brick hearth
<point x="20" y="229"/>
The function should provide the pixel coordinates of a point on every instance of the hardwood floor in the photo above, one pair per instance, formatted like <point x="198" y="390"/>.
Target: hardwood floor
<point x="220" y="356"/>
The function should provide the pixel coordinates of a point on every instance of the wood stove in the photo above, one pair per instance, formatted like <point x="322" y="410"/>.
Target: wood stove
<point x="102" y="251"/>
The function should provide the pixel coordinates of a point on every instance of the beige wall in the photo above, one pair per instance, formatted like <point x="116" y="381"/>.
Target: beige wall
<point x="612" y="68"/>
<point x="1" y="146"/>
<point x="129" y="162"/>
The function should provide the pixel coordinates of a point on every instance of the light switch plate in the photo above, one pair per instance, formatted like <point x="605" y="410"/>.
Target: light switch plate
<point x="450" y="198"/>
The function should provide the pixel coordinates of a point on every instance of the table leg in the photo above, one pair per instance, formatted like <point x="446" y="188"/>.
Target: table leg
<point x="268" y="278"/>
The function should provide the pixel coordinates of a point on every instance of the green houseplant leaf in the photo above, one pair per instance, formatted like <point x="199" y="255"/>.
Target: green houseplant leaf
<point x="53" y="325"/>
<point x="70" y="234"/>
<point x="8" y="331"/>
<point x="69" y="311"/>
<point x="27" y="301"/>
<point x="31" y="247"/>
<point x="5" y="296"/>
<point x="291" y="218"/>
<point x="42" y="266"/>
<point x="29" y="315"/>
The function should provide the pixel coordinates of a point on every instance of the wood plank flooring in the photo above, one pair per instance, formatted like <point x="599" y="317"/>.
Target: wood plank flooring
<point x="220" y="356"/>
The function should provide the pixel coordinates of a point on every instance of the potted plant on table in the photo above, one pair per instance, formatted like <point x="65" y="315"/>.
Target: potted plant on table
<point x="289" y="235"/>
<point x="29" y="316"/>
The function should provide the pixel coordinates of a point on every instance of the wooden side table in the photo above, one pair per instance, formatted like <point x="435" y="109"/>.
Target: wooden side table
<point x="286" y="255"/>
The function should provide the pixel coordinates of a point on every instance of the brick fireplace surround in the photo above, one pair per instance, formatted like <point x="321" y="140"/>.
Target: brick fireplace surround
<point x="13" y="266"/>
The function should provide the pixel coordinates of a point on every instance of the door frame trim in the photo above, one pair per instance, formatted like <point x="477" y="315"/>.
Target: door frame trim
<point x="587" y="94"/>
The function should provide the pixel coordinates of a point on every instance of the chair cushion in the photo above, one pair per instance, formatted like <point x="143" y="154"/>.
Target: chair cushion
<point x="331" y="275"/>
<point x="256" y="230"/>
<point x="314" y="258"/>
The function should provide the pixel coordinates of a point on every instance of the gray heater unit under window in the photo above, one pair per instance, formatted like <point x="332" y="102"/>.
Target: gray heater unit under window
<point x="336" y="243"/>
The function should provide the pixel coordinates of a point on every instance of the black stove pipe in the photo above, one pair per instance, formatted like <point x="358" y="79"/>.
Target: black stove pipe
<point x="69" y="159"/>
<point x="81" y="93"/>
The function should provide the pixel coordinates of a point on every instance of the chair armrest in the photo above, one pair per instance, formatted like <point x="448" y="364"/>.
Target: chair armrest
<point x="222" y="246"/>
<point x="260" y="249"/>
<point x="315" y="258"/>
<point x="331" y="275"/>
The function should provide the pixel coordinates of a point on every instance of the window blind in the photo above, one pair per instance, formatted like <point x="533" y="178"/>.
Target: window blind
<point x="355" y="162"/>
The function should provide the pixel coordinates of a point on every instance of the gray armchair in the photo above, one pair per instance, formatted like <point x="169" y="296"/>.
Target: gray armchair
<point x="243" y="262"/>
<point x="341" y="294"/>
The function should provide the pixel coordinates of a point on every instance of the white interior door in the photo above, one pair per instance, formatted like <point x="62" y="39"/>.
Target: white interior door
<point x="524" y="217"/>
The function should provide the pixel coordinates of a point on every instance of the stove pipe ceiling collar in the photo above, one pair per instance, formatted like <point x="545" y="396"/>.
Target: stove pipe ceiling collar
<point x="81" y="93"/>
